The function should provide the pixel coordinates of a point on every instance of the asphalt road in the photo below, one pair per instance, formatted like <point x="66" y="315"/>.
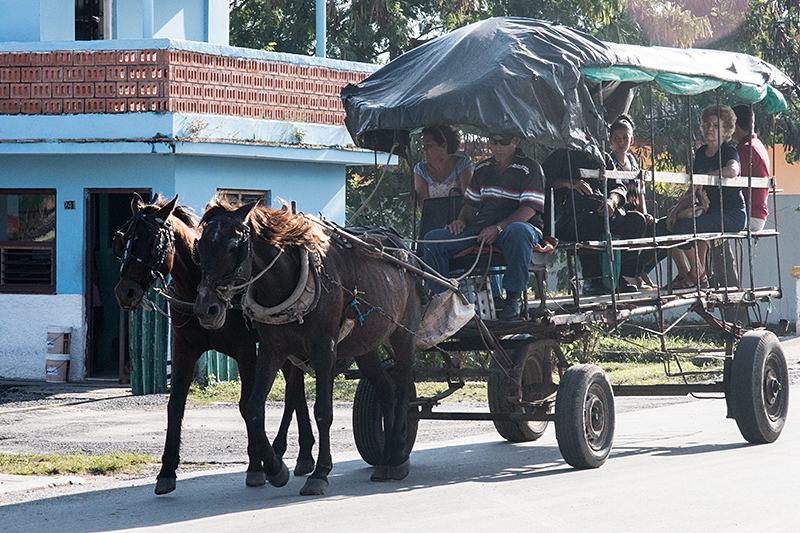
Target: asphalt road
<point x="675" y="466"/>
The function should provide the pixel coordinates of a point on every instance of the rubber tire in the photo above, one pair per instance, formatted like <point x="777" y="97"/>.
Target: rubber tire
<point x="760" y="387"/>
<point x="368" y="424"/>
<point x="584" y="417"/>
<point x="497" y="391"/>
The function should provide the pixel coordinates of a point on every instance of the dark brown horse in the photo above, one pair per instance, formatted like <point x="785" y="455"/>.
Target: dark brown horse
<point x="311" y="298"/>
<point x="158" y="242"/>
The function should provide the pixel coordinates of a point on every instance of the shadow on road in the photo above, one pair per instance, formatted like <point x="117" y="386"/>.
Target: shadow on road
<point x="222" y="493"/>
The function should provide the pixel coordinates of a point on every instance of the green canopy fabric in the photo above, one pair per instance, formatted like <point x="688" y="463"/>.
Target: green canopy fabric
<point x="695" y="71"/>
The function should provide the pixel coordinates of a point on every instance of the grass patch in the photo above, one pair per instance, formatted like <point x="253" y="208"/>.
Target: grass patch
<point x="632" y="359"/>
<point x="51" y="464"/>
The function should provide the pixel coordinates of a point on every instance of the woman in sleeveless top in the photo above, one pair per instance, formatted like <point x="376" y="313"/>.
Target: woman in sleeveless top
<point x="443" y="173"/>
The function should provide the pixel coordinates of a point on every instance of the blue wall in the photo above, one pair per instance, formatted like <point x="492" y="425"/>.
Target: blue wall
<point x="316" y="188"/>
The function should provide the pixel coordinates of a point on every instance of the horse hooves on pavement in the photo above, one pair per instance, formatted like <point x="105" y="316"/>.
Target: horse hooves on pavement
<point x="165" y="485"/>
<point x="389" y="472"/>
<point x="303" y="467"/>
<point x="314" y="487"/>
<point x="281" y="478"/>
<point x="256" y="478"/>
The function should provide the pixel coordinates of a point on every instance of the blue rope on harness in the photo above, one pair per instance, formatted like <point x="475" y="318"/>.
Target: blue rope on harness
<point x="362" y="316"/>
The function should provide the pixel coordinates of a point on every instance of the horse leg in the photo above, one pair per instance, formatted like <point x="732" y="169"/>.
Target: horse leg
<point x="279" y="444"/>
<point x="317" y="482"/>
<point x="295" y="402"/>
<point x="267" y="366"/>
<point x="395" y="450"/>
<point x="246" y="361"/>
<point x="183" y="364"/>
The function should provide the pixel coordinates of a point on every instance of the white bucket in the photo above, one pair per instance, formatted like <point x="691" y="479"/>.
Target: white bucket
<point x="56" y="367"/>
<point x="58" y="345"/>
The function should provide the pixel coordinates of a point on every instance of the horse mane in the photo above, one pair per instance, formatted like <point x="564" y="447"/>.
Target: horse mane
<point x="278" y="227"/>
<point x="183" y="213"/>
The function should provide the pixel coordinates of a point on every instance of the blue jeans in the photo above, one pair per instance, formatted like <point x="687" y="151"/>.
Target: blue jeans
<point x="516" y="242"/>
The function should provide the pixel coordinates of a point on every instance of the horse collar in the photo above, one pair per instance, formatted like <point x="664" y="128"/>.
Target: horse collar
<point x="302" y="301"/>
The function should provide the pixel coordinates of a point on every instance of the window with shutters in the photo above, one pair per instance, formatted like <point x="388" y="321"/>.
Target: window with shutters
<point x="27" y="241"/>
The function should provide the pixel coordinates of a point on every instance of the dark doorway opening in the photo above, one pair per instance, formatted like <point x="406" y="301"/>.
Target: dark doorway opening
<point x="107" y="353"/>
<point x="89" y="20"/>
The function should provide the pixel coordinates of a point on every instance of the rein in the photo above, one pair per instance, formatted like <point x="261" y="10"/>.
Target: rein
<point x="164" y="243"/>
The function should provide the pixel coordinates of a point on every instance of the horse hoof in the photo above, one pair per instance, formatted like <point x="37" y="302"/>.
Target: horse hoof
<point x="314" y="487"/>
<point x="389" y="472"/>
<point x="303" y="467"/>
<point x="256" y="478"/>
<point x="281" y="478"/>
<point x="165" y="485"/>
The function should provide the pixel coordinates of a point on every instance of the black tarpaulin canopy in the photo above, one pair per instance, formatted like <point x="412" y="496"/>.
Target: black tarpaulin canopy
<point x="529" y="78"/>
<point x="501" y="75"/>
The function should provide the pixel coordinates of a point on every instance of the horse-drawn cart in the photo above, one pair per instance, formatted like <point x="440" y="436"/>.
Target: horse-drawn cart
<point x="548" y="83"/>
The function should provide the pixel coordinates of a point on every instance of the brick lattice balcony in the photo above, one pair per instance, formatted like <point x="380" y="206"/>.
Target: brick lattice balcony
<point x="170" y="81"/>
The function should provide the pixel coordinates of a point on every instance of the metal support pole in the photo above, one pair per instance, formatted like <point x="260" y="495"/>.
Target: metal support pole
<point x="320" y="15"/>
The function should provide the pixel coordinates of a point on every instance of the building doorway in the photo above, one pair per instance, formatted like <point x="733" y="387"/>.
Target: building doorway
<point x="107" y="354"/>
<point x="89" y="23"/>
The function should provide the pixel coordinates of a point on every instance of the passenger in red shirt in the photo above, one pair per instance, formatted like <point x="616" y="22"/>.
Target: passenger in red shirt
<point x="744" y="136"/>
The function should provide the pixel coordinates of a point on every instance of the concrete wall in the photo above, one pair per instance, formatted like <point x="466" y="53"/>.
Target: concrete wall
<point x="24" y="319"/>
<point x="37" y="20"/>
<point x="315" y="186"/>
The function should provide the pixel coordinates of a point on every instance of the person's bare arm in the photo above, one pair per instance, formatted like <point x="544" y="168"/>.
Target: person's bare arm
<point x="421" y="188"/>
<point x="522" y="214"/>
<point x="465" y="216"/>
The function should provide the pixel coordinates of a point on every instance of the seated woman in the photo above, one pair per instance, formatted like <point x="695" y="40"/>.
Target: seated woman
<point x="443" y="173"/>
<point x="621" y="135"/>
<point x="717" y="126"/>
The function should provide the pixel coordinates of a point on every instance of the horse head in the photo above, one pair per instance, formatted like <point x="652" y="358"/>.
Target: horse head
<point x="224" y="255"/>
<point x="145" y="245"/>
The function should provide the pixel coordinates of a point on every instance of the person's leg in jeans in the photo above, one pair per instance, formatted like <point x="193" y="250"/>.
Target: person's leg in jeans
<point x="437" y="254"/>
<point x="517" y="242"/>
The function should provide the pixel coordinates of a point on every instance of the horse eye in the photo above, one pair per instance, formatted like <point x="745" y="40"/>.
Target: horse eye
<point x="233" y="246"/>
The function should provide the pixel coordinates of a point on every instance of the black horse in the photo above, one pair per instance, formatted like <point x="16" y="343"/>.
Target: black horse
<point x="315" y="299"/>
<point x="157" y="242"/>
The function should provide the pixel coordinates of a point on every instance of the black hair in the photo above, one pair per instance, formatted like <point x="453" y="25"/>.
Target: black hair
<point x="744" y="116"/>
<point x="622" y="121"/>
<point x="442" y="134"/>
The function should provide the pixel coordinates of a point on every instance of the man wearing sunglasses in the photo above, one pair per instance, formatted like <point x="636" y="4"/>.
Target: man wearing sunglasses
<point x="503" y="205"/>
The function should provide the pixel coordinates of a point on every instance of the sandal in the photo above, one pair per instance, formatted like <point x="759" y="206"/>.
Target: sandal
<point x="680" y="282"/>
<point x="702" y="282"/>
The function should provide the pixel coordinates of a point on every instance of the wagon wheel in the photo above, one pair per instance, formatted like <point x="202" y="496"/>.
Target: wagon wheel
<point x="584" y="416"/>
<point x="368" y="423"/>
<point x="759" y="387"/>
<point x="532" y="361"/>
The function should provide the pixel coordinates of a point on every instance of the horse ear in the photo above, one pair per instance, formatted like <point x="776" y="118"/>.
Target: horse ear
<point x="242" y="212"/>
<point x="167" y="210"/>
<point x="137" y="203"/>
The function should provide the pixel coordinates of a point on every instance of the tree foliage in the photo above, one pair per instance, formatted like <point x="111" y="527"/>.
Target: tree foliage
<point x="378" y="30"/>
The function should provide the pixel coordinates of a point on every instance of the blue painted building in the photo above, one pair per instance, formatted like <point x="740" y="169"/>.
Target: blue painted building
<point x="101" y="98"/>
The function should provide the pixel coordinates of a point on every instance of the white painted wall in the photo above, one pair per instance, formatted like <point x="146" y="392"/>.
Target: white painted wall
<point x="24" y="319"/>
